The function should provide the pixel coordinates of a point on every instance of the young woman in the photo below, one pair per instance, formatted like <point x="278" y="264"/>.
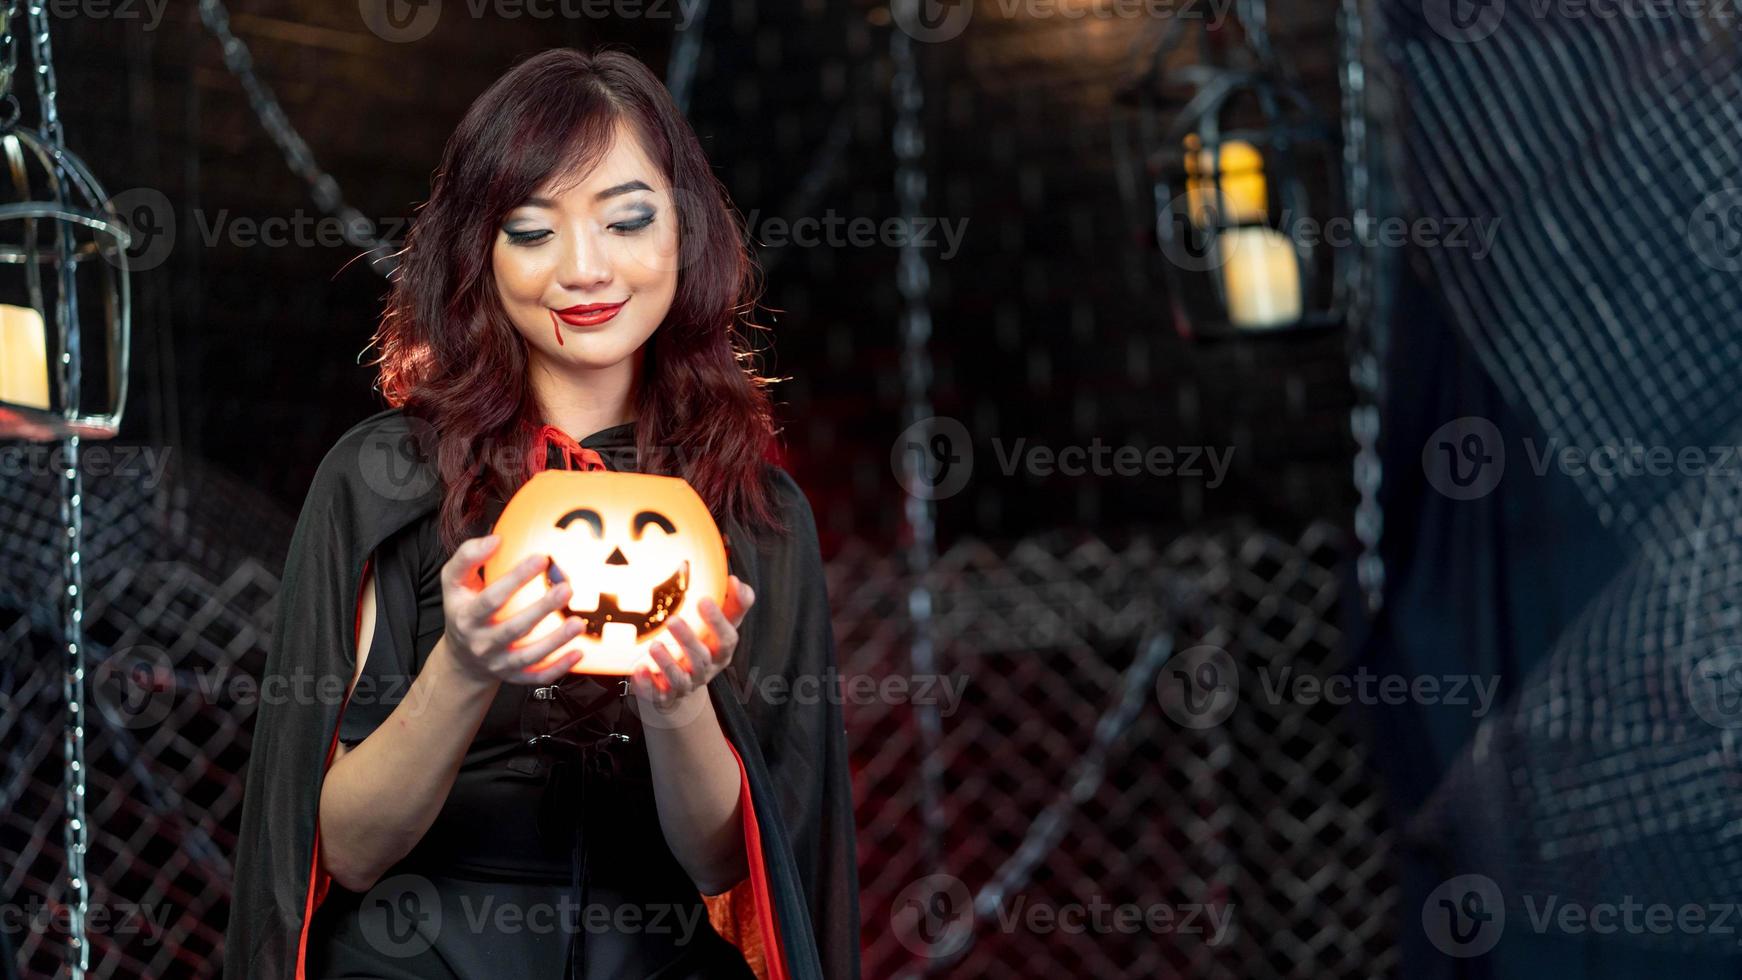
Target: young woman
<point x="438" y="796"/>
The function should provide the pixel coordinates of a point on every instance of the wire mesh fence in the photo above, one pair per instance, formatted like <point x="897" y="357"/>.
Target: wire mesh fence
<point x="1610" y="777"/>
<point x="1107" y="807"/>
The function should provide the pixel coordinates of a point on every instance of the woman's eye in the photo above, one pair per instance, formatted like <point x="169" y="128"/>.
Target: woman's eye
<point x="526" y="237"/>
<point x="634" y="225"/>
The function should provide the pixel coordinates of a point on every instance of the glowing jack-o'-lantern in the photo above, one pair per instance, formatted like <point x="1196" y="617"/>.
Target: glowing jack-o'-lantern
<point x="640" y="550"/>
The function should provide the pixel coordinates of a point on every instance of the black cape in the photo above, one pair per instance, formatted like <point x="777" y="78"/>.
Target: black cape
<point x="796" y="916"/>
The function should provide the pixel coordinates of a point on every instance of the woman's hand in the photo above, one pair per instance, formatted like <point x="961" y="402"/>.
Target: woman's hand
<point x="487" y="649"/>
<point x="671" y="680"/>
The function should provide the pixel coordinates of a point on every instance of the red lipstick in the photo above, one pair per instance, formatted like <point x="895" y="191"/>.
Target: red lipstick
<point x="583" y="315"/>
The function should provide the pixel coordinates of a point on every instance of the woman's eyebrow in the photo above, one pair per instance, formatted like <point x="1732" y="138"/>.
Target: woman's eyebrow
<point x="623" y="188"/>
<point x="609" y="192"/>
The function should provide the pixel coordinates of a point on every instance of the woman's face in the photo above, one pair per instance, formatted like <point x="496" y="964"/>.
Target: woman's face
<point x="587" y="268"/>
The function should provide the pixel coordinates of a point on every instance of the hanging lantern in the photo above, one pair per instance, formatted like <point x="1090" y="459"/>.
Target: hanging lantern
<point x="1245" y="189"/>
<point x="63" y="289"/>
<point x="640" y="551"/>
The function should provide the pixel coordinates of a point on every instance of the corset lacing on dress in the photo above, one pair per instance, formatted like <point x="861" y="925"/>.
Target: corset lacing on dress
<point x="573" y="763"/>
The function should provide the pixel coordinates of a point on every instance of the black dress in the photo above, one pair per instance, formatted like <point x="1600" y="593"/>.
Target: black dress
<point x="547" y="859"/>
<point x="797" y="912"/>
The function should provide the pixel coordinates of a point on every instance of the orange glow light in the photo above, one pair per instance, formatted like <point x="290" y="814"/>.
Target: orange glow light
<point x="640" y="551"/>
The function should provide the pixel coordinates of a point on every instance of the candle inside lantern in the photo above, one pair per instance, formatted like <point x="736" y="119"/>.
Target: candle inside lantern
<point x="23" y="358"/>
<point x="1241" y="177"/>
<point x="1262" y="278"/>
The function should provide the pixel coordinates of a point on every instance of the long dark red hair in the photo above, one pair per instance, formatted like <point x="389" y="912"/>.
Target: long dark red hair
<point x="450" y="357"/>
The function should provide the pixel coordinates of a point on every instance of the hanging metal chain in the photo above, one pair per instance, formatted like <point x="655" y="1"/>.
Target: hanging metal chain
<point x="1365" y="360"/>
<point x="68" y="371"/>
<point x="913" y="282"/>
<point x="9" y="57"/>
<point x="1254" y="17"/>
<point x="686" y="52"/>
<point x="46" y="88"/>
<point x="358" y="230"/>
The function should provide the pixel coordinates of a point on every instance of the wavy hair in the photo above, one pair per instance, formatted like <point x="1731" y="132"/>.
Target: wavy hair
<point x="450" y="357"/>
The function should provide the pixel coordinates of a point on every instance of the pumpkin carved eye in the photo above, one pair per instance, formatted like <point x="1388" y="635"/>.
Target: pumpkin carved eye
<point x="583" y="514"/>
<point x="642" y="519"/>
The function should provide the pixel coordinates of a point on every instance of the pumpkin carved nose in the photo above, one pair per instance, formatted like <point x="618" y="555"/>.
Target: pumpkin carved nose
<point x="616" y="557"/>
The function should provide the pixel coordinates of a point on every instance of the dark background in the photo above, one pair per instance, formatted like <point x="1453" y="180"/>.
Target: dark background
<point x="1049" y="325"/>
<point x="1052" y="326"/>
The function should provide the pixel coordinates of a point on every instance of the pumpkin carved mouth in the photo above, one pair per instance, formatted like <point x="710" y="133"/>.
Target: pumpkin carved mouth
<point x="667" y="596"/>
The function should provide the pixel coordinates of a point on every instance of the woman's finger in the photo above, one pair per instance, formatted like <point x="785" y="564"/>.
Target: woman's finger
<point x="513" y="659"/>
<point x="497" y="593"/>
<point x="725" y="632"/>
<point x="676" y="677"/>
<point x="549" y="674"/>
<point x="643" y="686"/>
<point x="517" y="625"/>
<point x="739" y="597"/>
<point x="694" y="647"/>
<point x="471" y="553"/>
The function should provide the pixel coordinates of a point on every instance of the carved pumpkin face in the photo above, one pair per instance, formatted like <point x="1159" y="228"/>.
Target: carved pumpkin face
<point x="638" y="549"/>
